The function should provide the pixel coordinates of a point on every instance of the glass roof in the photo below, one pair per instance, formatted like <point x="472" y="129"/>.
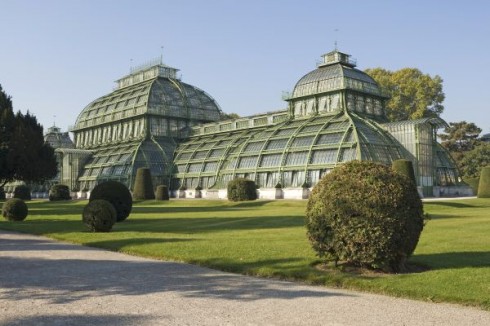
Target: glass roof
<point x="303" y="145"/>
<point x="335" y="77"/>
<point x="157" y="96"/>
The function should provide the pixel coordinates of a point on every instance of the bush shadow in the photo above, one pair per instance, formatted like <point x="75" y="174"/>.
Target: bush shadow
<point x="209" y="224"/>
<point x="454" y="259"/>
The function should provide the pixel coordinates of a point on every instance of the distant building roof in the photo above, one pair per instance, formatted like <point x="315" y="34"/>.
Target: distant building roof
<point x="58" y="139"/>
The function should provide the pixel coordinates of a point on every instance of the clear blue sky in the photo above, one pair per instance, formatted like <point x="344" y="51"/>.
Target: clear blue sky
<point x="58" y="56"/>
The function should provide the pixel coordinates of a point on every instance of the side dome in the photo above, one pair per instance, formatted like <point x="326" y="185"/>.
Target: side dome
<point x="150" y="90"/>
<point x="337" y="72"/>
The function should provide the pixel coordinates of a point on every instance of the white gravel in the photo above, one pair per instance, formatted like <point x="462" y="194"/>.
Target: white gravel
<point x="44" y="282"/>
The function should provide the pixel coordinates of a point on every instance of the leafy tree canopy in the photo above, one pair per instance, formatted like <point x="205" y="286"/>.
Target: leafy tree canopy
<point x="229" y="116"/>
<point x="474" y="160"/>
<point x="414" y="95"/>
<point x="460" y="136"/>
<point x="23" y="154"/>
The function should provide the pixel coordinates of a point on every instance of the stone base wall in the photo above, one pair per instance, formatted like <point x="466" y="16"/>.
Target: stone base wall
<point x="453" y="191"/>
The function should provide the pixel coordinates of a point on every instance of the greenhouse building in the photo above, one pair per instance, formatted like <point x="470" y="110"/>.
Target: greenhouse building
<point x="334" y="114"/>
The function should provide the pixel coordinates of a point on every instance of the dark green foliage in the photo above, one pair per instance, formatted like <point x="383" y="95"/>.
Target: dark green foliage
<point x="143" y="186"/>
<point x="473" y="183"/>
<point x="22" y="192"/>
<point x="364" y="214"/>
<point x="14" y="209"/>
<point x="484" y="185"/>
<point x="405" y="167"/>
<point x="162" y="193"/>
<point x="241" y="189"/>
<point x="59" y="192"/>
<point x="474" y="160"/>
<point x="99" y="215"/>
<point x="23" y="154"/>
<point x="117" y="194"/>
<point x="2" y="194"/>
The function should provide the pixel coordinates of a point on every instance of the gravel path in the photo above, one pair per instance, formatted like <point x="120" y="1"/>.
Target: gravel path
<point x="44" y="282"/>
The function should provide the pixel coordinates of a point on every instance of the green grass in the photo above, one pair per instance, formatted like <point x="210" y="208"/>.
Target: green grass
<point x="267" y="238"/>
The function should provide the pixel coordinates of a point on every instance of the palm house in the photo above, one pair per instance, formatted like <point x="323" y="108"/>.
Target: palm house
<point x="334" y="114"/>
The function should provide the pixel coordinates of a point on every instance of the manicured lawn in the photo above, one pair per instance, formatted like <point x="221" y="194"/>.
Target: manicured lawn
<point x="267" y="238"/>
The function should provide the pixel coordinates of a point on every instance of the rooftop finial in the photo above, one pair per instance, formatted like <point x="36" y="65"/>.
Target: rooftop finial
<point x="335" y="43"/>
<point x="54" y="120"/>
<point x="161" y="55"/>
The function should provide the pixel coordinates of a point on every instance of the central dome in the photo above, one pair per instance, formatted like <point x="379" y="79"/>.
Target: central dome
<point x="336" y="72"/>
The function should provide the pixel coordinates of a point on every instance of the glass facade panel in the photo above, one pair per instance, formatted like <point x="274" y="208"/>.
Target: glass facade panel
<point x="271" y="160"/>
<point x="296" y="158"/>
<point x="210" y="166"/>
<point x="329" y="139"/>
<point x="254" y="147"/>
<point x="302" y="142"/>
<point x="216" y="153"/>
<point x="324" y="156"/>
<point x="200" y="155"/>
<point x="195" y="167"/>
<point x="276" y="144"/>
<point x="248" y="162"/>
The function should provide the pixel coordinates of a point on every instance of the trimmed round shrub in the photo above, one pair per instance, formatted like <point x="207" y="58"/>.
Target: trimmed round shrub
<point x="241" y="189"/>
<point x="99" y="215"/>
<point x="405" y="167"/>
<point x="2" y="194"/>
<point x="14" y="209"/>
<point x="143" y="186"/>
<point x="117" y="194"/>
<point x="473" y="183"/>
<point x="364" y="214"/>
<point x="484" y="185"/>
<point x="59" y="192"/>
<point x="22" y="192"/>
<point x="162" y="193"/>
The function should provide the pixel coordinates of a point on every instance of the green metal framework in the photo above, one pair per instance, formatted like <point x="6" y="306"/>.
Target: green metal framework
<point x="139" y="124"/>
<point x="294" y="152"/>
<point x="336" y="113"/>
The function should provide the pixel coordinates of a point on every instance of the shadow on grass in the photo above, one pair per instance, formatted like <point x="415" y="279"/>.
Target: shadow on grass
<point x="450" y="204"/>
<point x="158" y="225"/>
<point x="454" y="259"/>
<point x="442" y="216"/>
<point x="211" y="224"/>
<point x="119" y="244"/>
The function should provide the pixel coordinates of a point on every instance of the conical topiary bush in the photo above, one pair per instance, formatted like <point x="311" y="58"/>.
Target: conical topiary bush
<point x="405" y="167"/>
<point x="143" y="186"/>
<point x="484" y="185"/>
<point x="162" y="193"/>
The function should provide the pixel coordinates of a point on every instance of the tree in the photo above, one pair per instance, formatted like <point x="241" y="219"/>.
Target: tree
<point x="414" y="95"/>
<point x="459" y="138"/>
<point x="229" y="116"/>
<point x="473" y="161"/>
<point x="7" y="122"/>
<point x="23" y="154"/>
